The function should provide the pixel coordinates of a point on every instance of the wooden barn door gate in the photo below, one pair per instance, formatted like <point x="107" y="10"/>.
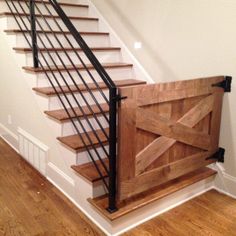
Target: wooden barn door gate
<point x="167" y="130"/>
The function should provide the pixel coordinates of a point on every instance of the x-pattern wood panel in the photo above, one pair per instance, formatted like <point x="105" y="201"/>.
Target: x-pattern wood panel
<point x="159" y="111"/>
<point x="181" y="131"/>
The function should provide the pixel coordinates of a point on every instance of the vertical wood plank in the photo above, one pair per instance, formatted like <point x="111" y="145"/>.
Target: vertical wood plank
<point x="216" y="119"/>
<point x="126" y="136"/>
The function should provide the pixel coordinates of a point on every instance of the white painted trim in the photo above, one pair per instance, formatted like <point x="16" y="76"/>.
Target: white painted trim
<point x="33" y="139"/>
<point x="80" y="207"/>
<point x="224" y="192"/>
<point x="229" y="177"/>
<point x="224" y="181"/>
<point x="15" y="149"/>
<point x="163" y="211"/>
<point x="8" y="131"/>
<point x="61" y="173"/>
<point x="11" y="134"/>
<point x="139" y="222"/>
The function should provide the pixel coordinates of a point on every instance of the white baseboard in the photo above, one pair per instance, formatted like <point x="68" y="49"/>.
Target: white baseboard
<point x="224" y="182"/>
<point x="224" y="192"/>
<point x="78" y="206"/>
<point x="53" y="170"/>
<point x="9" y="137"/>
<point x="159" y="207"/>
<point x="187" y="194"/>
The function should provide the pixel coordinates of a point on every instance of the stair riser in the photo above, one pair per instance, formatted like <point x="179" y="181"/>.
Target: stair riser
<point x="115" y="74"/>
<point x="81" y="25"/>
<point x="70" y="11"/>
<point x="54" y="102"/>
<point x="91" y="40"/>
<point x="82" y="157"/>
<point x="67" y="128"/>
<point x="103" y="57"/>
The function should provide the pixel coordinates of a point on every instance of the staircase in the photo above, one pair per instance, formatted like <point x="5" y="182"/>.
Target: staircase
<point x="97" y="102"/>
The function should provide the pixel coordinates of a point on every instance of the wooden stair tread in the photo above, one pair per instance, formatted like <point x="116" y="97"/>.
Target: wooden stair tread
<point x="14" y="31"/>
<point x="49" y="91"/>
<point x="50" y="16"/>
<point x="80" y="67"/>
<point x="75" y="143"/>
<point x="61" y="115"/>
<point x="18" y="49"/>
<point x="134" y="203"/>
<point x="89" y="172"/>
<point x="60" y="3"/>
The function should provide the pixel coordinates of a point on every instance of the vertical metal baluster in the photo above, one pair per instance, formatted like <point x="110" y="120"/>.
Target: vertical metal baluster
<point x="33" y="34"/>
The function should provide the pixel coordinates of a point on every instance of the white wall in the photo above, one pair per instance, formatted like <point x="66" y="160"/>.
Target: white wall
<point x="182" y="39"/>
<point x="17" y="100"/>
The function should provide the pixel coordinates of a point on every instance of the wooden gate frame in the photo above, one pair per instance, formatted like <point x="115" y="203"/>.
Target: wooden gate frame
<point x="132" y="177"/>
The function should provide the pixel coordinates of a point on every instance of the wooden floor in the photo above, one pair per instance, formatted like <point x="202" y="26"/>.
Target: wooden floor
<point x="30" y="205"/>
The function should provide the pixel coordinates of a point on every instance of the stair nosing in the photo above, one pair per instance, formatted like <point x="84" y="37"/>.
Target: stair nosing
<point x="26" y="50"/>
<point x="83" y="89"/>
<point x="61" y="3"/>
<point x="15" y="31"/>
<point x="89" y="178"/>
<point x="206" y="173"/>
<point x="80" y="67"/>
<point x="82" y="149"/>
<point x="64" y="119"/>
<point x="49" y="16"/>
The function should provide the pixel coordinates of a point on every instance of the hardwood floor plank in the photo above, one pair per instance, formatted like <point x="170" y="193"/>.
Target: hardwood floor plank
<point x="30" y="205"/>
<point x="211" y="213"/>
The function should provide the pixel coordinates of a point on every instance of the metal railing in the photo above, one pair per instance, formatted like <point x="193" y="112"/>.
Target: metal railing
<point x="35" y="34"/>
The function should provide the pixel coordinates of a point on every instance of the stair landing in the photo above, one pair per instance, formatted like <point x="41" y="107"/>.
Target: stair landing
<point x="134" y="203"/>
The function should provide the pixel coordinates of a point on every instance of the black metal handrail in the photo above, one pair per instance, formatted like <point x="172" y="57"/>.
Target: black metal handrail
<point x="52" y="76"/>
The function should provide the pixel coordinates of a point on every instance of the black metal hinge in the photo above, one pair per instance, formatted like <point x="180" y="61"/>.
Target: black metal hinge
<point x="219" y="155"/>
<point x="118" y="98"/>
<point x="225" y="84"/>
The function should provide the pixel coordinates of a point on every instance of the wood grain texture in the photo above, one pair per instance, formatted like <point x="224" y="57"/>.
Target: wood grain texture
<point x="172" y="123"/>
<point x="30" y="205"/>
<point x="216" y="119"/>
<point x="198" y="112"/>
<point x="68" y="49"/>
<point x="160" y="175"/>
<point x="89" y="172"/>
<point x="152" y="195"/>
<point x="62" y="116"/>
<point x="75" y="142"/>
<point x="152" y="122"/>
<point x="50" y="16"/>
<point x="152" y="152"/>
<point x="165" y="92"/>
<point x="78" y="67"/>
<point x="60" y="3"/>
<point x="16" y="31"/>
<point x="211" y="213"/>
<point x="49" y="91"/>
